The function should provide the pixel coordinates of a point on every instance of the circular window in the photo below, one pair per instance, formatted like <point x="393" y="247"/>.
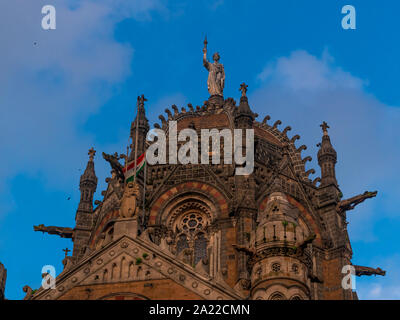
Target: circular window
<point x="276" y="267"/>
<point x="192" y="222"/>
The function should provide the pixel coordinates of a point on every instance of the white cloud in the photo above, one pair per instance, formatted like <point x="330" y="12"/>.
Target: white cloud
<point x="302" y="90"/>
<point x="52" y="80"/>
<point x="165" y="102"/>
<point x="378" y="288"/>
<point x="305" y="72"/>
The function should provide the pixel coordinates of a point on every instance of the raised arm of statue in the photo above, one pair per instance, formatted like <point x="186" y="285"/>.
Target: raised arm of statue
<point x="205" y="62"/>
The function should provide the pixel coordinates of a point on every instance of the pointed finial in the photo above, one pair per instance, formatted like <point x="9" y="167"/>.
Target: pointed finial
<point x="140" y="100"/>
<point x="243" y="88"/>
<point x="91" y="154"/>
<point x="66" y="250"/>
<point x="205" y="42"/>
<point x="324" y="127"/>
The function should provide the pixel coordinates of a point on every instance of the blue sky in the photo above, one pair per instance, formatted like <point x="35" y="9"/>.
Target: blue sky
<point x="77" y="87"/>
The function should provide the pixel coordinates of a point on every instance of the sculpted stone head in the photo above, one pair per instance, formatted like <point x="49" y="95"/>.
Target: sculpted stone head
<point x="132" y="189"/>
<point x="216" y="57"/>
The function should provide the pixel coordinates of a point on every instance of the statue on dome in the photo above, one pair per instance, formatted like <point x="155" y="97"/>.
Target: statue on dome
<point x="216" y="73"/>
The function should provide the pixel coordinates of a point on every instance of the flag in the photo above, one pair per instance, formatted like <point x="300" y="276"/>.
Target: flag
<point x="129" y="170"/>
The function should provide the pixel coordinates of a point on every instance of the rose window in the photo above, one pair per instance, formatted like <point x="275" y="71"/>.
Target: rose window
<point x="192" y="222"/>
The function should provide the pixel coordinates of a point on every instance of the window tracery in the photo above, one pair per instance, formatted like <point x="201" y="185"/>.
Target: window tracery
<point x="192" y="237"/>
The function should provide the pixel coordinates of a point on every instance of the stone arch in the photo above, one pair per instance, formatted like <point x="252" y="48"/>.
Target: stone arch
<point x="294" y="154"/>
<point x="308" y="218"/>
<point x="196" y="190"/>
<point x="104" y="222"/>
<point x="123" y="296"/>
<point x="277" y="296"/>
<point x="274" y="291"/>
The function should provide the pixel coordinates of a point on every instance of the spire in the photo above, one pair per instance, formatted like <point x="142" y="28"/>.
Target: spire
<point x="143" y="127"/>
<point x="244" y="114"/>
<point x="84" y="214"/>
<point x="88" y="184"/>
<point x="327" y="158"/>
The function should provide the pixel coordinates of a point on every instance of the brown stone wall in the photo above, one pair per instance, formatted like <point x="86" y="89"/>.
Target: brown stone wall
<point x="163" y="289"/>
<point x="332" y="279"/>
<point x="208" y="121"/>
<point x="228" y="254"/>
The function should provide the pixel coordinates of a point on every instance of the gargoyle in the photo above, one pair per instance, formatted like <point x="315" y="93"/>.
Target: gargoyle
<point x="367" y="271"/>
<point x="350" y="204"/>
<point x="63" y="232"/>
<point x="248" y="251"/>
<point x="112" y="159"/>
<point x="314" y="278"/>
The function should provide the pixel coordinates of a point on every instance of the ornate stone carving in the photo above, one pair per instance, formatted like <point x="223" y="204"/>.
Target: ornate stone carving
<point x="63" y="232"/>
<point x="129" y="204"/>
<point x="350" y="204"/>
<point x="216" y="73"/>
<point x="28" y="290"/>
<point x="367" y="271"/>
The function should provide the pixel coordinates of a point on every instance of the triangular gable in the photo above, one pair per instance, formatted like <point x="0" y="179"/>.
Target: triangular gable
<point x="160" y="264"/>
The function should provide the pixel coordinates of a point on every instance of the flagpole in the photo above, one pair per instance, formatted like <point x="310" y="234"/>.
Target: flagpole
<point x="144" y="187"/>
<point x="126" y="159"/>
<point x="136" y="136"/>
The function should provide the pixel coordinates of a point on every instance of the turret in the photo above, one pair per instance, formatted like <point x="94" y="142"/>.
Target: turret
<point x="88" y="185"/>
<point x="327" y="158"/>
<point x="143" y="127"/>
<point x="244" y="116"/>
<point x="278" y="250"/>
<point x="84" y="214"/>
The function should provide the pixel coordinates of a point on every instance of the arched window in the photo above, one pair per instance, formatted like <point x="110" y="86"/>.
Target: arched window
<point x="200" y="248"/>
<point x="182" y="243"/>
<point x="277" y="296"/>
<point x="191" y="240"/>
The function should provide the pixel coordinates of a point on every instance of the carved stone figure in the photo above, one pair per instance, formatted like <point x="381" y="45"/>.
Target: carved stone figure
<point x="349" y="204"/>
<point x="115" y="165"/>
<point x="368" y="271"/>
<point x="216" y="73"/>
<point x="129" y="204"/>
<point x="28" y="290"/>
<point x="63" y="232"/>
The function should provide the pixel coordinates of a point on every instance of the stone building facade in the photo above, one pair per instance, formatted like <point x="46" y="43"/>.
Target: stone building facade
<point x="3" y="277"/>
<point x="199" y="231"/>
